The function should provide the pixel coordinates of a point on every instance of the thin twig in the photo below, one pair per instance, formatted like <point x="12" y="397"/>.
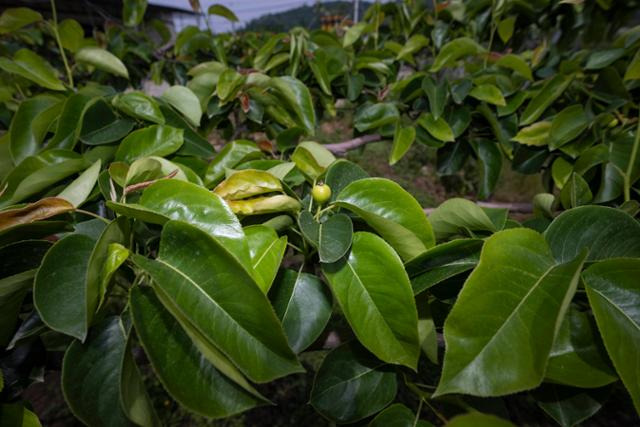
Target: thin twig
<point x="343" y="147"/>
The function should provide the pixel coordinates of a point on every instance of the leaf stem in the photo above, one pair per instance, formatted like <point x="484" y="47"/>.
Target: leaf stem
<point x="82" y="211"/>
<point x="417" y="418"/>
<point x="54" y="28"/>
<point x="436" y="412"/>
<point x="632" y="161"/>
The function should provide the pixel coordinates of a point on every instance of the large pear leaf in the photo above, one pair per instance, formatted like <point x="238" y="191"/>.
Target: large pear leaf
<point x="202" y="280"/>
<point x="32" y="66"/>
<point x="351" y="384"/>
<point x="614" y="295"/>
<point x="312" y="158"/>
<point x="512" y="303"/>
<point x="103" y="60"/>
<point x="70" y="121"/>
<point x="459" y="216"/>
<point x="156" y="140"/>
<point x="296" y="97"/>
<point x="454" y="50"/>
<point x="80" y="188"/>
<point x="231" y="155"/>
<point x="392" y="212"/>
<point x="139" y="106"/>
<point x="266" y="250"/>
<point x="14" y="18"/>
<point x="30" y="124"/>
<point x="375" y="295"/>
<point x="551" y="90"/>
<point x="606" y="232"/>
<point x="577" y="357"/>
<point x="442" y="262"/>
<point x="197" y="384"/>
<point x="342" y="173"/>
<point x="185" y="101"/>
<point x="373" y="116"/>
<point x="303" y="305"/>
<point x="334" y="237"/>
<point x="100" y="381"/>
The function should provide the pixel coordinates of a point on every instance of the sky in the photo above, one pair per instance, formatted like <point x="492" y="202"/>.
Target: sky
<point x="245" y="10"/>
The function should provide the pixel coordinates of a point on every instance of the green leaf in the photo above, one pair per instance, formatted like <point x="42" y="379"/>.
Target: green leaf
<point x="297" y="98"/>
<point x="266" y="250"/>
<point x="505" y="28"/>
<point x="201" y="280"/>
<point x="567" y="125"/>
<point x="398" y="415"/>
<point x="30" y="124"/>
<point x="606" y="232"/>
<point x="392" y="212"/>
<point x="342" y="173"/>
<point x="577" y="357"/>
<point x="303" y="304"/>
<point x="459" y="216"/>
<point x="614" y="295"/>
<point x="515" y="63"/>
<point x="93" y="382"/>
<point x="375" y="115"/>
<point x="197" y="385"/>
<point x="353" y="33"/>
<point x="603" y="58"/>
<point x="402" y="141"/>
<point x="103" y="60"/>
<point x="229" y="84"/>
<point x="79" y="190"/>
<point x="569" y="406"/>
<point x="551" y="90"/>
<point x="155" y="140"/>
<point x="575" y="192"/>
<point x="139" y="106"/>
<point x="454" y="50"/>
<point x="112" y="132"/>
<point x="221" y="10"/>
<point x="375" y="295"/>
<point x="413" y="45"/>
<point x="71" y="34"/>
<point x="309" y="227"/>
<point x="312" y="158"/>
<point x="334" y="238"/>
<point x="633" y="69"/>
<point x="535" y="135"/>
<point x="133" y="12"/>
<point x="70" y="121"/>
<point x="489" y="166"/>
<point x="351" y="384"/>
<point x="528" y="293"/>
<point x="478" y="419"/>
<point x="561" y="171"/>
<point x="437" y="94"/>
<point x="185" y="101"/>
<point x="32" y="67"/>
<point x="443" y="262"/>
<point x="14" y="18"/>
<point x="439" y="128"/>
<point x="488" y="93"/>
<point x="231" y="155"/>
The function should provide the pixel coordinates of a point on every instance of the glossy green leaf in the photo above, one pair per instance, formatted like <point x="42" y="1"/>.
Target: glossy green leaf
<point x="454" y="50"/>
<point x="221" y="10"/>
<point x="577" y="357"/>
<point x="201" y="279"/>
<point x="353" y="33"/>
<point x="402" y="141"/>
<point x="297" y="98"/>
<point x="309" y="227"/>
<point x="266" y="250"/>
<point x="155" y="140"/>
<point x="398" y="415"/>
<point x="303" y="304"/>
<point x="567" y="125"/>
<point x="459" y="216"/>
<point x="505" y="28"/>
<point x="103" y="60"/>
<point x="231" y="155"/>
<point x="32" y="67"/>
<point x="569" y="406"/>
<point x="551" y="90"/>
<point x="575" y="192"/>
<point x="229" y="84"/>
<point x="351" y="384"/>
<point x="342" y="173"/>
<point x="334" y="238"/>
<point x="614" y="295"/>
<point x="561" y="171"/>
<point x="30" y="124"/>
<point x="375" y="295"/>
<point x="489" y="166"/>
<point x="77" y="192"/>
<point x="93" y="380"/>
<point x="478" y="419"/>
<point x="14" y="18"/>
<point x="536" y="135"/>
<point x="392" y="212"/>
<point x="413" y="45"/>
<point x="133" y="12"/>
<point x="437" y="93"/>
<point x="515" y="63"/>
<point x="442" y="262"/>
<point x="488" y="93"/>
<point x="312" y="158"/>
<point x="606" y="232"/>
<point x="71" y="34"/>
<point x="69" y="125"/>
<point x="139" y="106"/>
<point x="375" y="115"/>
<point x="112" y="132"/>
<point x="197" y="385"/>
<point x="529" y="294"/>
<point x="185" y="101"/>
<point x="439" y="128"/>
<point x="603" y="58"/>
<point x="633" y="69"/>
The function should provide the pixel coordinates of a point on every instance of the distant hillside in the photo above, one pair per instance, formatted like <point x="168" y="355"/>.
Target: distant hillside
<point x="304" y="16"/>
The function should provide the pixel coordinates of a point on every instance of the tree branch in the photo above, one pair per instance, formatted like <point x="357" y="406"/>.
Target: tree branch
<point x="523" y="208"/>
<point x="343" y="147"/>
